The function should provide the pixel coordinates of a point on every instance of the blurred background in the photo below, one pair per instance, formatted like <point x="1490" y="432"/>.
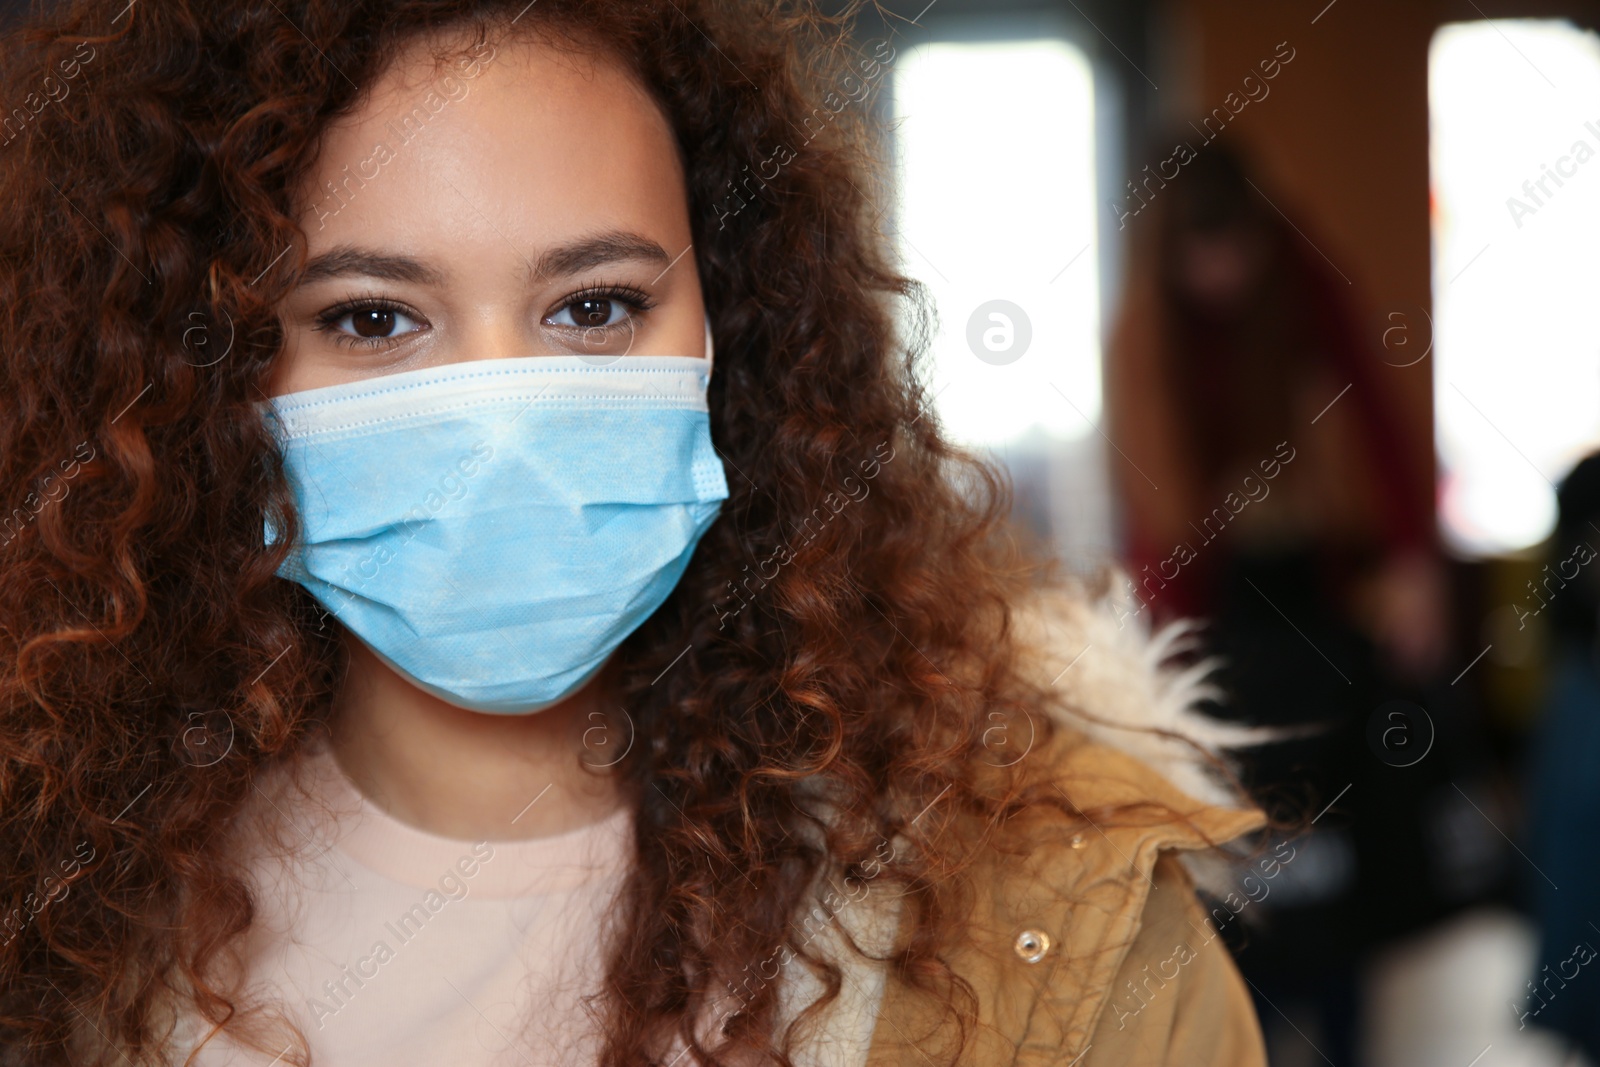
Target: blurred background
<point x="1290" y="308"/>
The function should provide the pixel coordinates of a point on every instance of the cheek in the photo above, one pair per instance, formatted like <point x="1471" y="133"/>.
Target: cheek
<point x="286" y="374"/>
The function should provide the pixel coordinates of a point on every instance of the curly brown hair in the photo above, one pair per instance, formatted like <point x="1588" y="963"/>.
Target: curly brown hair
<point x="153" y="666"/>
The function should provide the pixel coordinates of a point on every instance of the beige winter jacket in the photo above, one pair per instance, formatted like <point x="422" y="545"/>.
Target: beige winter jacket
<point x="1094" y="951"/>
<point x="1091" y="949"/>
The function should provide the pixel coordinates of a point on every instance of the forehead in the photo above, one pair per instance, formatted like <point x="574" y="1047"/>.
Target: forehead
<point x="526" y="142"/>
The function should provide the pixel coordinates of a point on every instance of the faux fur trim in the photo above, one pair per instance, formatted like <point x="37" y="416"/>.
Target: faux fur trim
<point x="1121" y="683"/>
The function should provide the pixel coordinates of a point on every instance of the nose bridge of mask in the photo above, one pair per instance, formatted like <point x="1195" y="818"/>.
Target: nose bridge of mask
<point x="323" y="408"/>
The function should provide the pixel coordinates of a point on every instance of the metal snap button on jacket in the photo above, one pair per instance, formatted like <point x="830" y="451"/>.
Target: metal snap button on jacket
<point x="1031" y="945"/>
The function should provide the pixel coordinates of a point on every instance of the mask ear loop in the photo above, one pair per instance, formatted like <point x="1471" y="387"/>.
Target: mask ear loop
<point x="710" y="348"/>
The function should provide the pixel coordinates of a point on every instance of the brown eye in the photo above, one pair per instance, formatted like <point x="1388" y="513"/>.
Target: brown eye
<point x="595" y="308"/>
<point x="374" y="322"/>
<point x="371" y="322"/>
<point x="592" y="312"/>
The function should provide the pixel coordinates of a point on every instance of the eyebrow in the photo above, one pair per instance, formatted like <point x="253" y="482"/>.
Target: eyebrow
<point x="612" y="247"/>
<point x="585" y="254"/>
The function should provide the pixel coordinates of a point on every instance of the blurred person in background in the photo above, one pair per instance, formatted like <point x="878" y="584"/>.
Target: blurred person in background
<point x="1268" y="490"/>
<point x="1563" y="785"/>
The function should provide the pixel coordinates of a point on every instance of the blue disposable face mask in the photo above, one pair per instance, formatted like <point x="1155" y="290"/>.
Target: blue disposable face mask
<point x="494" y="529"/>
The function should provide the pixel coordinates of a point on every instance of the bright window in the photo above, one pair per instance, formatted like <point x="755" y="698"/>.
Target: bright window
<point x="1515" y="157"/>
<point x="997" y="217"/>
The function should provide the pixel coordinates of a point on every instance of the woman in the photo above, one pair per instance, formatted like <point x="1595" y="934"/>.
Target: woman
<point x="508" y="605"/>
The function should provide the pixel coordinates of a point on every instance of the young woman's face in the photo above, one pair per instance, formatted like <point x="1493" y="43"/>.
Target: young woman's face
<point x="525" y="202"/>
